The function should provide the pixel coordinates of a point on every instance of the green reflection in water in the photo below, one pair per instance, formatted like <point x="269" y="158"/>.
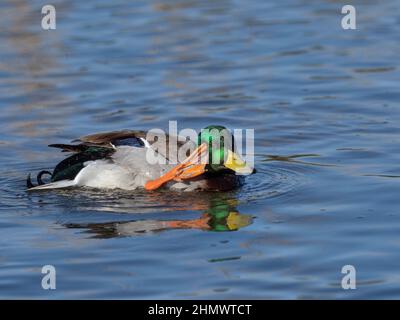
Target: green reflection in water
<point x="221" y="215"/>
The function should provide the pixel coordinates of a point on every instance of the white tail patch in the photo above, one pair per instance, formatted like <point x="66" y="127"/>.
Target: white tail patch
<point x="55" y="185"/>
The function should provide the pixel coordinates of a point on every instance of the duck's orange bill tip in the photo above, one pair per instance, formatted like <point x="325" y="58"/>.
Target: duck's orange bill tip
<point x="188" y="169"/>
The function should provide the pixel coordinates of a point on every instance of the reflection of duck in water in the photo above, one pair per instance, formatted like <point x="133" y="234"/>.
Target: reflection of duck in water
<point x="120" y="160"/>
<point x="220" y="216"/>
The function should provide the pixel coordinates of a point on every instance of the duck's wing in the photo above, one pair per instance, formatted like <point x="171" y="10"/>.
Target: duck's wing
<point x="72" y="165"/>
<point x="113" y="138"/>
<point x="69" y="147"/>
<point x="134" y="138"/>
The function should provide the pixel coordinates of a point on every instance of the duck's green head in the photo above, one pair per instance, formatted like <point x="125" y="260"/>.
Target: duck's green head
<point x="221" y="146"/>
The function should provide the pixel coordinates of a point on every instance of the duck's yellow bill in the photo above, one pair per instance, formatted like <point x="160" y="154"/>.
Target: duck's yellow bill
<point x="191" y="167"/>
<point x="237" y="164"/>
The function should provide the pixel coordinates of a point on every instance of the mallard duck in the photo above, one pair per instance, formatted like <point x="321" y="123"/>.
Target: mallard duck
<point x="119" y="159"/>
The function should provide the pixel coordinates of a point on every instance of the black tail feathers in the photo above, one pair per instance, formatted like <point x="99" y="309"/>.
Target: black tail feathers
<point x="40" y="182"/>
<point x="29" y="183"/>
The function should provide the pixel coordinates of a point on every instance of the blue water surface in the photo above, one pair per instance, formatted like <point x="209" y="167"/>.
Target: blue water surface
<point x="324" y="104"/>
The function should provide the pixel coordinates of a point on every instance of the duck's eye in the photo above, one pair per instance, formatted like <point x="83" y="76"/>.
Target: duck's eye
<point x="132" y="142"/>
